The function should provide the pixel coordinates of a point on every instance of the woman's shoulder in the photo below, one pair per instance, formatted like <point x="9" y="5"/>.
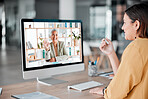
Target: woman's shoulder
<point x="61" y="43"/>
<point x="138" y="44"/>
<point x="130" y="49"/>
<point x="51" y="42"/>
<point x="137" y="48"/>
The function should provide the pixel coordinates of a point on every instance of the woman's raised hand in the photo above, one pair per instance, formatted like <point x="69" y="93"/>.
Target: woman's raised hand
<point x="106" y="46"/>
<point x="46" y="45"/>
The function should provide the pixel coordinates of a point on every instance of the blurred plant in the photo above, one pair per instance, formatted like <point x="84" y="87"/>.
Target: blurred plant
<point x="78" y="52"/>
<point x="76" y="36"/>
<point x="40" y="45"/>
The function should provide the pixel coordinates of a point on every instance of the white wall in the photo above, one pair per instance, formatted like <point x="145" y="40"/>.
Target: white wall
<point x="67" y="9"/>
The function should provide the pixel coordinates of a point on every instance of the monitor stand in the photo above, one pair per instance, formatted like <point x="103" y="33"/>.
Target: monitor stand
<point x="50" y="81"/>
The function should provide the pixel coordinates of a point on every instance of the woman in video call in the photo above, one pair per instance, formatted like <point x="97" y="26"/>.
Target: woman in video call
<point x="57" y="51"/>
<point x="131" y="74"/>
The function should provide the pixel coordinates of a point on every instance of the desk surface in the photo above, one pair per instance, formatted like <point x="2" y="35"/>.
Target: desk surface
<point x="59" y="90"/>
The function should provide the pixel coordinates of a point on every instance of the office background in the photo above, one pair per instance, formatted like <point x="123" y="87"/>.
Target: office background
<point x="98" y="17"/>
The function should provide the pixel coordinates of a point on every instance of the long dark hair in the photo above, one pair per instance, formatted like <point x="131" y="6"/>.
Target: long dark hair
<point x="139" y="12"/>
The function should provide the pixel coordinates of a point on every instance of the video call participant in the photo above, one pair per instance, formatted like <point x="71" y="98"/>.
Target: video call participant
<point x="55" y="51"/>
<point x="131" y="75"/>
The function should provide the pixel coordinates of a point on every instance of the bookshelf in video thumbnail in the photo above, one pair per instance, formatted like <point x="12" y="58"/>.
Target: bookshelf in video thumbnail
<point x="36" y="33"/>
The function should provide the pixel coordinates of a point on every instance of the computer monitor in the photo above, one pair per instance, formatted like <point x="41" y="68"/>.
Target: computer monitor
<point x="51" y="47"/>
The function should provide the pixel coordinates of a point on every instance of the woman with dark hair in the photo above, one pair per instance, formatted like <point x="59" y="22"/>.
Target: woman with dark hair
<point x="131" y="74"/>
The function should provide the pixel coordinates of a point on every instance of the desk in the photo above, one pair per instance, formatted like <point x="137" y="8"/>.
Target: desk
<point x="59" y="90"/>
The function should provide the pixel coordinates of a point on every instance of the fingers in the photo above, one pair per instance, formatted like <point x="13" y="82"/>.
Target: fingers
<point x="103" y="44"/>
<point x="108" y="40"/>
<point x="47" y="48"/>
<point x="96" y="91"/>
<point x="105" y="41"/>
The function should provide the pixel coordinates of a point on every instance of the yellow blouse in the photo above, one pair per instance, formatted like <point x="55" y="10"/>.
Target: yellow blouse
<point x="131" y="79"/>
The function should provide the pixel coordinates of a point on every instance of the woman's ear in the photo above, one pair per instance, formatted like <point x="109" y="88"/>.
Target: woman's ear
<point x="137" y="25"/>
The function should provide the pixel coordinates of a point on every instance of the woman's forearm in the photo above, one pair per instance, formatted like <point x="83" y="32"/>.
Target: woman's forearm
<point x="114" y="61"/>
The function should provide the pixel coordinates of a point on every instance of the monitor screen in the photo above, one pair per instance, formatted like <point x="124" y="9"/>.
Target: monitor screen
<point x="51" y="43"/>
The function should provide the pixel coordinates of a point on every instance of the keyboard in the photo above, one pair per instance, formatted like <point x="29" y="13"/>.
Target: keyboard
<point x="85" y="85"/>
<point x="34" y="95"/>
